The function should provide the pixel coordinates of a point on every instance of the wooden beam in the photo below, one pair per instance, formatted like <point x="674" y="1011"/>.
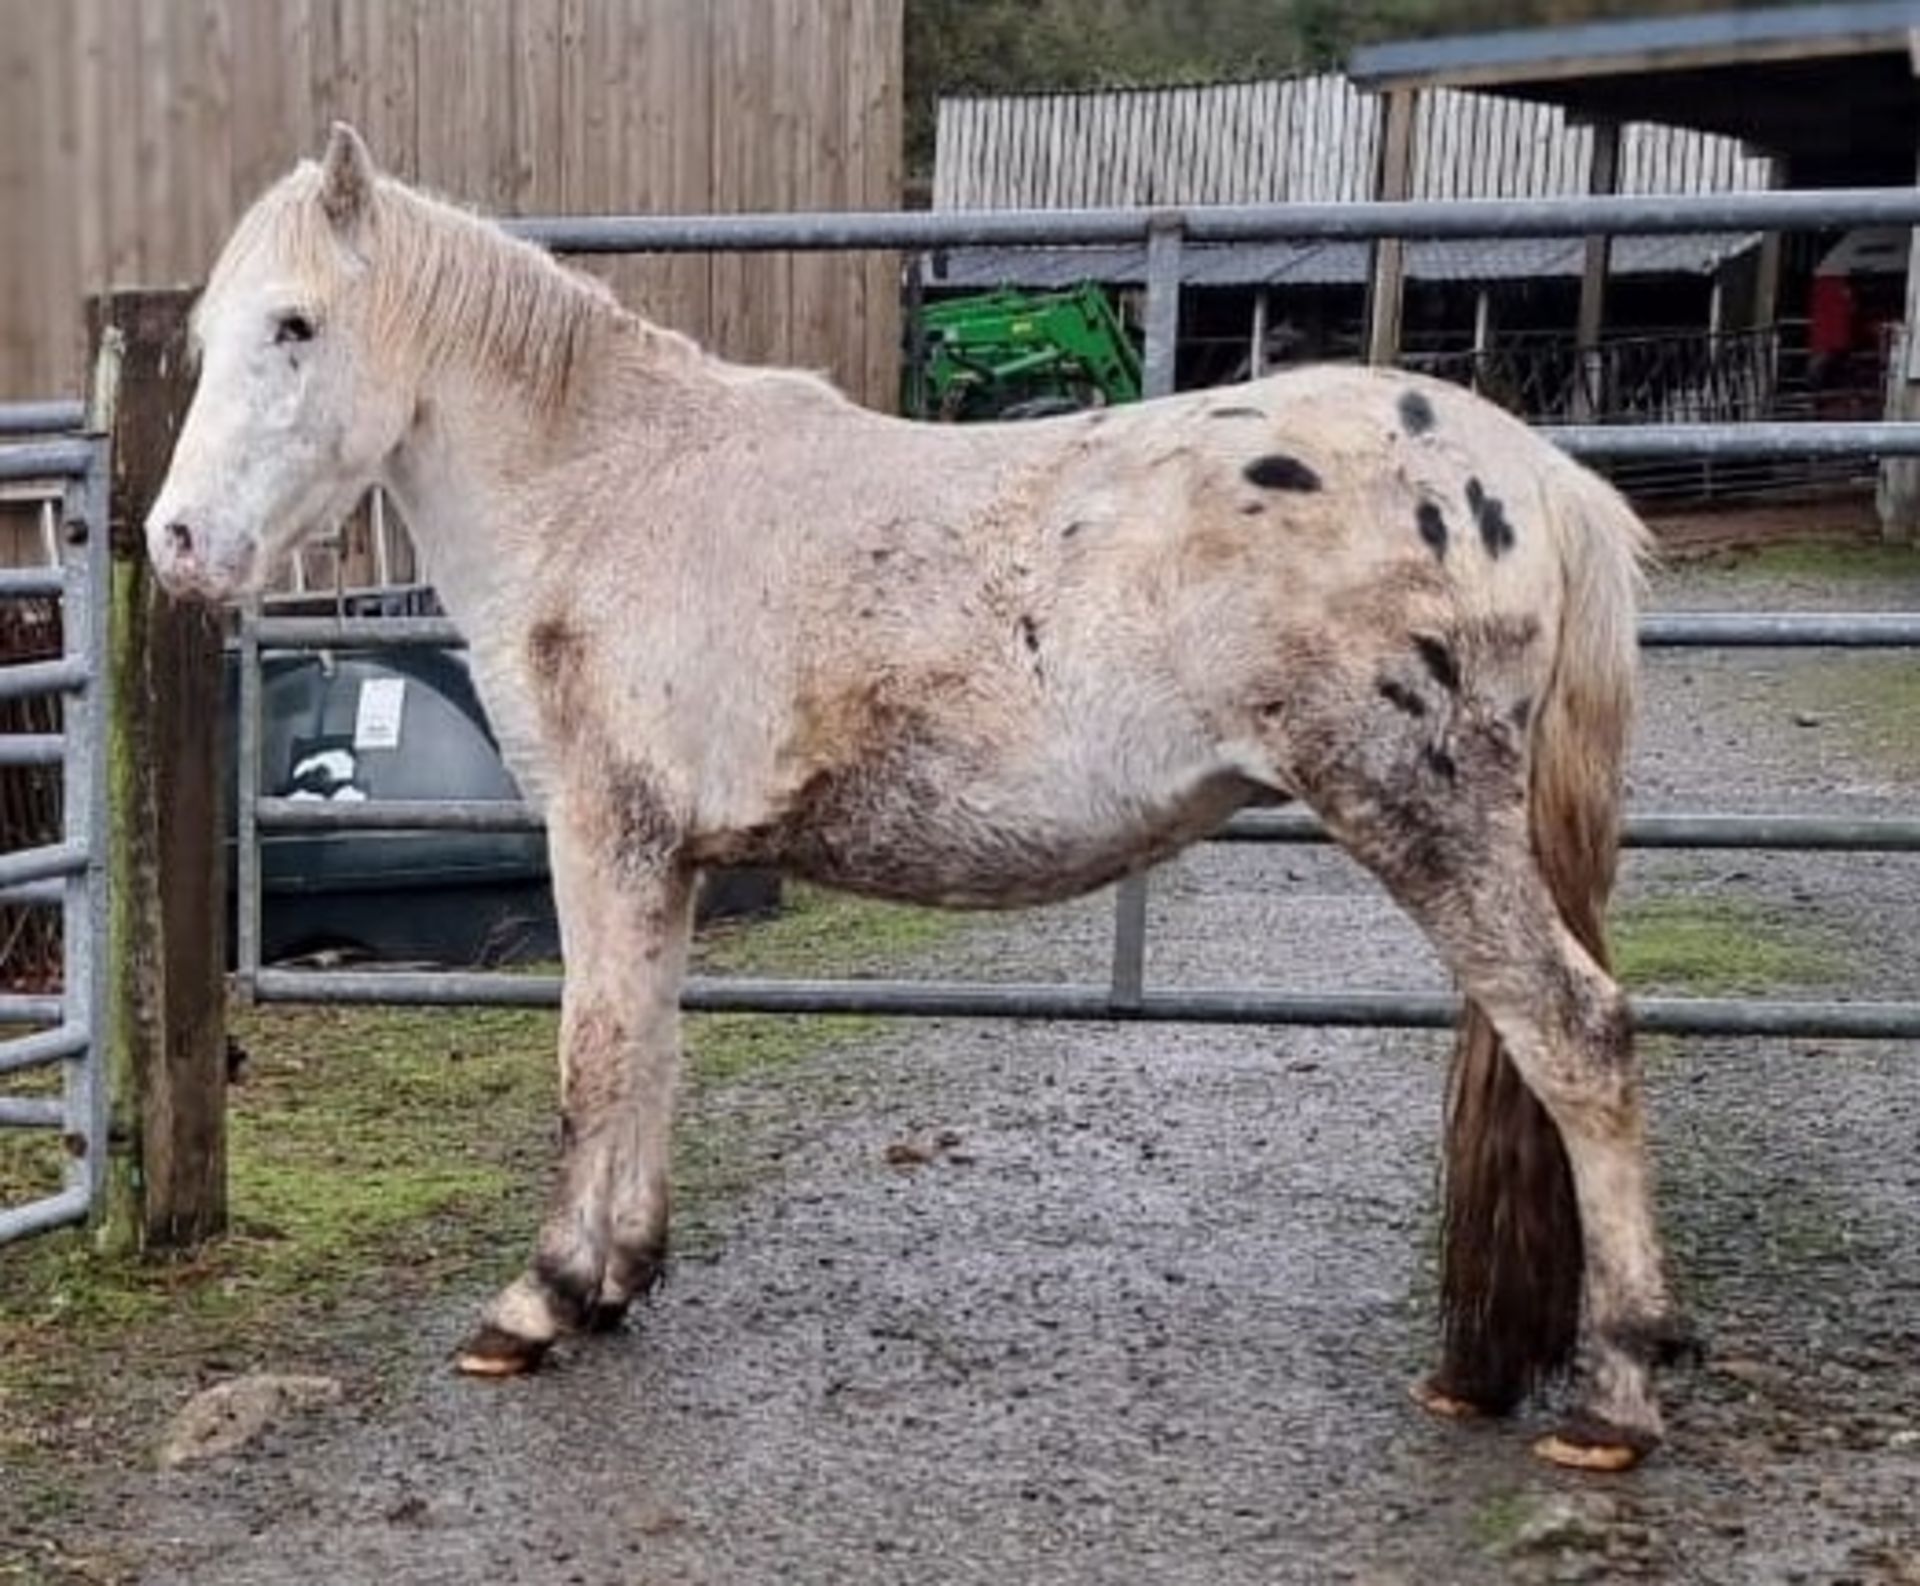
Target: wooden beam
<point x="1385" y="293"/>
<point x="167" y="1024"/>
<point x="1603" y="176"/>
<point x="1897" y="497"/>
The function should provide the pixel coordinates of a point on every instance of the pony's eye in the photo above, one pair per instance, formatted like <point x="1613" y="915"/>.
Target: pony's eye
<point x="295" y="327"/>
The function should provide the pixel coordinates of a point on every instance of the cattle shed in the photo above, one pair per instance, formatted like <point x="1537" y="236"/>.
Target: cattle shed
<point x="1827" y="94"/>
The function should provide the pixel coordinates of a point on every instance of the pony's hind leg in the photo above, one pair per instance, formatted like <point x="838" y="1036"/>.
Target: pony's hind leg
<point x="1448" y="833"/>
<point x="625" y="922"/>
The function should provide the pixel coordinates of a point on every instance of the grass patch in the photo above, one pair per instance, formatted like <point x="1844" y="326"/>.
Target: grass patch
<point x="1716" y="946"/>
<point x="377" y="1156"/>
<point x="1844" y="562"/>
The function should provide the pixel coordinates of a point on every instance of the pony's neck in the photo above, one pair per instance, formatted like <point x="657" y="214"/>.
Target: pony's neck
<point x="523" y="374"/>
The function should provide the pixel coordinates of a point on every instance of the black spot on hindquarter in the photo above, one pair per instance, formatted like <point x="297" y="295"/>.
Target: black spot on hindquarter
<point x="1416" y="412"/>
<point x="1030" y="635"/>
<point x="1278" y="471"/>
<point x="1433" y="527"/>
<point x="1490" y="513"/>
<point x="1401" y="697"/>
<point x="1439" y="661"/>
<point x="1441" y="764"/>
<point x="1235" y="413"/>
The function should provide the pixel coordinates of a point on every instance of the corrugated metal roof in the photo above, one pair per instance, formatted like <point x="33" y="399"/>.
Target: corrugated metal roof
<point x="1638" y="44"/>
<point x="1332" y="263"/>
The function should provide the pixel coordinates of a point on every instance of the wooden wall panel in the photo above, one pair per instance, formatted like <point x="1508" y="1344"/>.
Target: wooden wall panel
<point x="133" y="132"/>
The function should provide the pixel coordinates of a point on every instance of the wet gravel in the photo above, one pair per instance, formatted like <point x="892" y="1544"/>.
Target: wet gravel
<point x="1026" y="1304"/>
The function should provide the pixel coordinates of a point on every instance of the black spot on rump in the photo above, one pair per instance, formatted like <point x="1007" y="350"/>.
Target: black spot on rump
<point x="1278" y="471"/>
<point x="1235" y="413"/>
<point x="1522" y="714"/>
<point x="1490" y="513"/>
<point x="1432" y="524"/>
<point x="1030" y="635"/>
<point x="1439" y="661"/>
<point x="1441" y="764"/>
<point x="1416" y="412"/>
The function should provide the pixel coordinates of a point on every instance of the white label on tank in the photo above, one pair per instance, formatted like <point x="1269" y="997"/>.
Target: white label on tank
<point x="376" y="724"/>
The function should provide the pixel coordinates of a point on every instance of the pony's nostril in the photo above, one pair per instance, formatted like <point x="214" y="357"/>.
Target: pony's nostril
<point x="179" y="539"/>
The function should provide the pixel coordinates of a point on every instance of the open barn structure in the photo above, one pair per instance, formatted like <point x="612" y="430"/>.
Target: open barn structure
<point x="1712" y="326"/>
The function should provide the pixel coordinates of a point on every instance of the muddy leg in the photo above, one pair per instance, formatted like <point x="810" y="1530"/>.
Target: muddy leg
<point x="1452" y="845"/>
<point x="624" y="931"/>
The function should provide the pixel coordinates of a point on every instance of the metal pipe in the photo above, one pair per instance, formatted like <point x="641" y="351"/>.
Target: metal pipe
<point x="33" y="460"/>
<point x="1771" y="438"/>
<point x="41" y="1048"/>
<point x="44" y="863"/>
<point x="1686" y="830"/>
<point x="87" y="966"/>
<point x="56" y="1211"/>
<point x="41" y="418"/>
<point x="1085" y="1003"/>
<point x="1416" y="219"/>
<point x="1127" y="971"/>
<point x="30" y="1112"/>
<point x="1810" y="833"/>
<point x="1851" y="630"/>
<point x="22" y="1008"/>
<point x="33" y="895"/>
<point x="22" y="582"/>
<point x="31" y="748"/>
<point x="29" y="679"/>
<point x="247" y="816"/>
<point x="398" y="815"/>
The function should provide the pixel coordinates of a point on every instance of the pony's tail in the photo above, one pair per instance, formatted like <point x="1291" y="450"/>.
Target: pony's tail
<point x="1511" y="1253"/>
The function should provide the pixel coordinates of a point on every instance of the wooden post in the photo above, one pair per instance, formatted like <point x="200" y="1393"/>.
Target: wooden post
<point x="1385" y="294"/>
<point x="1603" y="177"/>
<point x="1482" y="337"/>
<point x="1898" y="496"/>
<point x="167" y="1024"/>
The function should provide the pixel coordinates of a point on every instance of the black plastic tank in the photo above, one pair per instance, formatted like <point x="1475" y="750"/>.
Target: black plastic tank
<point x="403" y="724"/>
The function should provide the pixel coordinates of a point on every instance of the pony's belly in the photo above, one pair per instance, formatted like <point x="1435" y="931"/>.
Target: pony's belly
<point x="976" y="852"/>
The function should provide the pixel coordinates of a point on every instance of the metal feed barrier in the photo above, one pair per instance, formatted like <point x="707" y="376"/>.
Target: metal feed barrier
<point x="69" y="475"/>
<point x="1126" y="996"/>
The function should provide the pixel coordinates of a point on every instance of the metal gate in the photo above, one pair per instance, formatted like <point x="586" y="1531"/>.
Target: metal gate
<point x="1126" y="995"/>
<point x="67" y="479"/>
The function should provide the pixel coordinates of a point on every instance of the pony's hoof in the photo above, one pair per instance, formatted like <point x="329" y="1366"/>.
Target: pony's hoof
<point x="1435" y="1400"/>
<point x="492" y="1352"/>
<point x="607" y="1316"/>
<point x="1595" y="1446"/>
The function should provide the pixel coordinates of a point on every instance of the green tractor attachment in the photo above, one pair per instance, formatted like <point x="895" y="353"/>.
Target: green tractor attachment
<point x="1010" y="354"/>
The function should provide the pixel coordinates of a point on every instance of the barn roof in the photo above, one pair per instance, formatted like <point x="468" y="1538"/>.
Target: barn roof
<point x="1829" y="87"/>
<point x="1331" y="263"/>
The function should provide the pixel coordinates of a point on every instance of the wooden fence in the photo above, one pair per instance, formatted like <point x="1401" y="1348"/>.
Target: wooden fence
<point x="132" y="133"/>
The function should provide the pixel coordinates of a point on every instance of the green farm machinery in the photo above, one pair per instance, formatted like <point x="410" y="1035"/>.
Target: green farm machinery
<point x="1010" y="355"/>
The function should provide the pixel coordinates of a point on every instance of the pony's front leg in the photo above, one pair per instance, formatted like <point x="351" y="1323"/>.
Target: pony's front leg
<point x="625" y="921"/>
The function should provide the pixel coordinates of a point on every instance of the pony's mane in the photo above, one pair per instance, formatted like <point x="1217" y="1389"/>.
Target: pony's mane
<point x="448" y="286"/>
<point x="452" y="288"/>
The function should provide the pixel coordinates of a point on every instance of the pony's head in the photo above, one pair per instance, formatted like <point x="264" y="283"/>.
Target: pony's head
<point x="290" y="423"/>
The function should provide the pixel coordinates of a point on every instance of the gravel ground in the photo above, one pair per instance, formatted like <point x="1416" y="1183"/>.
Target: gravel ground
<point x="1149" y="1310"/>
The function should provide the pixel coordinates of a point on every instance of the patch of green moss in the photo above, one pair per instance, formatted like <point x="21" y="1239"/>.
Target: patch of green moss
<point x="1715" y="946"/>
<point x="1843" y="562"/>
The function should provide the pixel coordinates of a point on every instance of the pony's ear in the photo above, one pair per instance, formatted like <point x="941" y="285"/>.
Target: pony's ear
<point x="346" y="177"/>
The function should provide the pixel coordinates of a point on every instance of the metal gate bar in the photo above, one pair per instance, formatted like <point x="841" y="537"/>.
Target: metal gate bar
<point x="1164" y="234"/>
<point x="72" y="872"/>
